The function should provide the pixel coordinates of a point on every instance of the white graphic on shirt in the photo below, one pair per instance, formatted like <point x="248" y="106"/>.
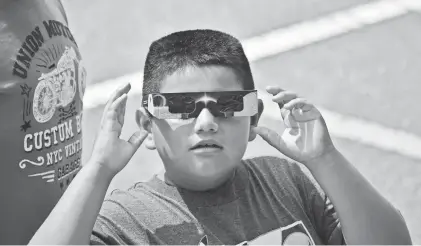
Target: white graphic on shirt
<point x="293" y="234"/>
<point x="81" y="79"/>
<point x="269" y="238"/>
<point x="58" y="87"/>
<point x="296" y="234"/>
<point x="22" y="163"/>
<point x="44" y="104"/>
<point x="49" y="175"/>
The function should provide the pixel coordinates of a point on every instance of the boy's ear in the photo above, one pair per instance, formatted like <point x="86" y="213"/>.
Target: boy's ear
<point x="255" y="120"/>
<point x="144" y="122"/>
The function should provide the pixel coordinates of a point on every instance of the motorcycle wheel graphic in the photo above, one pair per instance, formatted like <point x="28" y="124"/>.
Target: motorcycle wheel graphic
<point x="45" y="102"/>
<point x="81" y="78"/>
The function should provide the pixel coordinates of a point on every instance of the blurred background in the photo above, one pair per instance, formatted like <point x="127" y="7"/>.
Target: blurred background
<point x="366" y="78"/>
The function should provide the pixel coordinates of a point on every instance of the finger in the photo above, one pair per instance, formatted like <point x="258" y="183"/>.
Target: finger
<point x="305" y="116"/>
<point x="119" y="103"/>
<point x="116" y="94"/>
<point x="296" y="103"/>
<point x="284" y="97"/>
<point x="121" y="110"/>
<point x="118" y="106"/>
<point x="273" y="90"/>
<point x="115" y="113"/>
<point x="137" y="139"/>
<point x="307" y="107"/>
<point x="284" y="113"/>
<point x="291" y="124"/>
<point x="270" y="136"/>
<point x="302" y="110"/>
<point x="124" y="89"/>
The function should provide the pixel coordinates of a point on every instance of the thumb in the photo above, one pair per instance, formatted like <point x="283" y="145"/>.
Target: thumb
<point x="137" y="139"/>
<point x="269" y="136"/>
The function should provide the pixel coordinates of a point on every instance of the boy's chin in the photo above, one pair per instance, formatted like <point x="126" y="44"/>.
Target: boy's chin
<point x="202" y="182"/>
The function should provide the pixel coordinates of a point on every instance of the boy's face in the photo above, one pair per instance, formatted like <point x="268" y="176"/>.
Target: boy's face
<point x="205" y="166"/>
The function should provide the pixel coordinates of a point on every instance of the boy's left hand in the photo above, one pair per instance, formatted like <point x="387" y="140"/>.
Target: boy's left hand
<point x="306" y="136"/>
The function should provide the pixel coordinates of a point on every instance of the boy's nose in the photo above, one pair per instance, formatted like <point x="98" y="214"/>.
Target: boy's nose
<point x="206" y="122"/>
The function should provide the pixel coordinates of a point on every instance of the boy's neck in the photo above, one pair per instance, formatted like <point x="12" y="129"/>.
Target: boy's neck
<point x="162" y="175"/>
<point x="234" y="187"/>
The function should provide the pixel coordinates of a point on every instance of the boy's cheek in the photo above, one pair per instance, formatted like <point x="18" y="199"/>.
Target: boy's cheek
<point x="175" y="124"/>
<point x="165" y="125"/>
<point x="238" y="122"/>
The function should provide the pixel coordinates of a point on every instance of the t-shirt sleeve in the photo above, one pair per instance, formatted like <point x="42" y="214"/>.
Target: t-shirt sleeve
<point x="104" y="233"/>
<point x="116" y="226"/>
<point x="321" y="210"/>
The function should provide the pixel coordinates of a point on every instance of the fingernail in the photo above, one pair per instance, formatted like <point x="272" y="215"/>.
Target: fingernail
<point x="294" y="132"/>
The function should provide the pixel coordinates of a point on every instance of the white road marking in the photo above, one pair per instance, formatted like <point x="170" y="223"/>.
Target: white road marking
<point x="299" y="35"/>
<point x="411" y="4"/>
<point x="308" y="32"/>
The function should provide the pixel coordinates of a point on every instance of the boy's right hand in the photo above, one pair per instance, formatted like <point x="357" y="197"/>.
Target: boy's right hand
<point x="110" y="152"/>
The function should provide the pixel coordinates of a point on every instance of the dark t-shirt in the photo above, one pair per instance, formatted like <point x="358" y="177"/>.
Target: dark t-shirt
<point x="269" y="201"/>
<point x="42" y="81"/>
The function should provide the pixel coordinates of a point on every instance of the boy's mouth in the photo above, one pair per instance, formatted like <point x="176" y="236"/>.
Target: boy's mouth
<point x="207" y="144"/>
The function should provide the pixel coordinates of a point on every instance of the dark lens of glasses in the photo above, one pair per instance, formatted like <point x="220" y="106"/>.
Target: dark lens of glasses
<point x="229" y="103"/>
<point x="181" y="104"/>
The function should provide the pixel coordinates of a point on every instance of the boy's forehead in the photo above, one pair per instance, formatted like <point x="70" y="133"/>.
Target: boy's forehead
<point x="201" y="79"/>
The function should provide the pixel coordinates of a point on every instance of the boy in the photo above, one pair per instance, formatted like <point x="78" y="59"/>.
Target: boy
<point x="199" y="111"/>
<point x="42" y="81"/>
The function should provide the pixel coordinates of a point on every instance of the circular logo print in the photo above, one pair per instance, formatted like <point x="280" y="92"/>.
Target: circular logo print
<point x="44" y="102"/>
<point x="297" y="238"/>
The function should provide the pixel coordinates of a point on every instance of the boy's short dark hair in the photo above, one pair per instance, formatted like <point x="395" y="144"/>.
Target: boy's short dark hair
<point x="194" y="48"/>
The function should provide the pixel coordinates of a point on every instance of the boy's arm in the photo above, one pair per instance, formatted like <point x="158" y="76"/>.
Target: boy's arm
<point x="366" y="216"/>
<point x="74" y="216"/>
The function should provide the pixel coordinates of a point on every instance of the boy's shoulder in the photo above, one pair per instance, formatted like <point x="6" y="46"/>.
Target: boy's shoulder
<point x="275" y="165"/>
<point x="123" y="208"/>
<point x="136" y="196"/>
<point x="124" y="216"/>
<point x="281" y="172"/>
